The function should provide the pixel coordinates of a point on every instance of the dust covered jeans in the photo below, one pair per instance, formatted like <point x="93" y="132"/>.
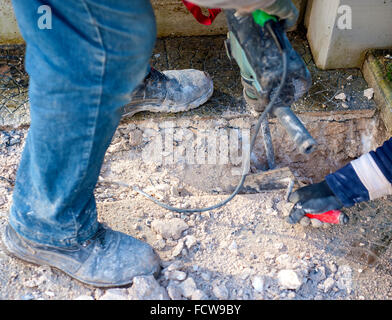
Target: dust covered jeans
<point x="84" y="59"/>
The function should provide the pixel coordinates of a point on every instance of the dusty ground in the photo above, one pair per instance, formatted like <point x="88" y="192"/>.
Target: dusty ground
<point x="245" y="250"/>
<point x="237" y="252"/>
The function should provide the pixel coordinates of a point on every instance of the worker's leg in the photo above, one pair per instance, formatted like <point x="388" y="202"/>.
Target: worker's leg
<point x="83" y="66"/>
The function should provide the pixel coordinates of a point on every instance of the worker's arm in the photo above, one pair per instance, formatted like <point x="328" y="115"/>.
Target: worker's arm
<point x="284" y="9"/>
<point x="366" y="178"/>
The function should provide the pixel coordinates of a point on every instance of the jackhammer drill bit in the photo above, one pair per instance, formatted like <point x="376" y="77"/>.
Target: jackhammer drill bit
<point x="256" y="42"/>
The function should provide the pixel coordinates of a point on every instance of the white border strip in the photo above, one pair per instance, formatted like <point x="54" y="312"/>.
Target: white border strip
<point x="371" y="177"/>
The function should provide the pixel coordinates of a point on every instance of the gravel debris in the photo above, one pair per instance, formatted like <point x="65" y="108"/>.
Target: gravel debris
<point x="245" y="250"/>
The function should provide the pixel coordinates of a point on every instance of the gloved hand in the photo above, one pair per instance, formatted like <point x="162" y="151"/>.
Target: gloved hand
<point x="284" y="9"/>
<point x="315" y="198"/>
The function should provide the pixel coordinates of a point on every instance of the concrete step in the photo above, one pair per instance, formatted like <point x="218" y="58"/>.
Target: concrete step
<point x="343" y="129"/>
<point x="377" y="71"/>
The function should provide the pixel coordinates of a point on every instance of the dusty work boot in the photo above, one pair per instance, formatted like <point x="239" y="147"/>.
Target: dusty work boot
<point x="109" y="259"/>
<point x="170" y="91"/>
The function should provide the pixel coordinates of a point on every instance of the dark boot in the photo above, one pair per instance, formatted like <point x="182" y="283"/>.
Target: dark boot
<point x="170" y="91"/>
<point x="109" y="259"/>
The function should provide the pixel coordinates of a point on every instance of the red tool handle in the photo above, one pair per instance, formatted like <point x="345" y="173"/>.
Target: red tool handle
<point x="333" y="217"/>
<point x="198" y="14"/>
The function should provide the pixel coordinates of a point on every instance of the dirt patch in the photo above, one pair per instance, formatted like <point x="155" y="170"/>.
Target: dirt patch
<point x="245" y="250"/>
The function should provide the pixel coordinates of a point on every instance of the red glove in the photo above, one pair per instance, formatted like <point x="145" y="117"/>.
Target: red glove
<point x="198" y="14"/>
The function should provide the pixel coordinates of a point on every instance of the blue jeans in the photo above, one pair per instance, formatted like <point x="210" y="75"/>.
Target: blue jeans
<point x="82" y="70"/>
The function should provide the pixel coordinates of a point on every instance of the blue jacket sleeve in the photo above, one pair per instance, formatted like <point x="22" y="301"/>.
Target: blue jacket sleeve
<point x="351" y="183"/>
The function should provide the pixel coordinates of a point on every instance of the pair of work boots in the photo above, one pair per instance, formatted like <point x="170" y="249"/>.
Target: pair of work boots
<point x="112" y="258"/>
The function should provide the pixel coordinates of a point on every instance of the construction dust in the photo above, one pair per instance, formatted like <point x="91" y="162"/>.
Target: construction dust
<point x="244" y="250"/>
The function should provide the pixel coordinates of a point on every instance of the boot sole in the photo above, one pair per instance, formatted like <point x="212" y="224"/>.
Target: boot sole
<point x="157" y="107"/>
<point x="15" y="252"/>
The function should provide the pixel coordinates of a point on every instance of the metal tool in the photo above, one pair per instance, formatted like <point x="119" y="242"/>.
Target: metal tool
<point x="274" y="76"/>
<point x="256" y="43"/>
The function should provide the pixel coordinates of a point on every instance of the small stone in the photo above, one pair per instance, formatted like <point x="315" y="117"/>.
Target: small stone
<point x="206" y="276"/>
<point x="332" y="267"/>
<point x="115" y="294"/>
<point x="317" y="274"/>
<point x="174" y="292"/>
<point x="49" y="293"/>
<point x="284" y="260"/>
<point x="190" y="241"/>
<point x="176" y="265"/>
<point x="177" y="275"/>
<point x="246" y="273"/>
<point x="270" y="211"/>
<point x="305" y="221"/>
<point x="328" y="284"/>
<point x="220" y="292"/>
<point x="291" y="295"/>
<point x="188" y="287"/>
<point x="199" y="295"/>
<point x="174" y="191"/>
<point x="171" y="243"/>
<point x="135" y="138"/>
<point x="341" y="96"/>
<point x="169" y="215"/>
<point x="30" y="283"/>
<point x="344" y="278"/>
<point x="258" y="283"/>
<point x="159" y="244"/>
<point x="345" y="105"/>
<point x="327" y="225"/>
<point x="147" y="288"/>
<point x="369" y="93"/>
<point x="316" y="223"/>
<point x="178" y="248"/>
<point x="286" y="208"/>
<point x="288" y="279"/>
<point x="169" y="228"/>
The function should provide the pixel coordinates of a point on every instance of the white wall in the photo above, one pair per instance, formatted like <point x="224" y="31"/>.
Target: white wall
<point x="333" y="47"/>
<point x="9" y="31"/>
